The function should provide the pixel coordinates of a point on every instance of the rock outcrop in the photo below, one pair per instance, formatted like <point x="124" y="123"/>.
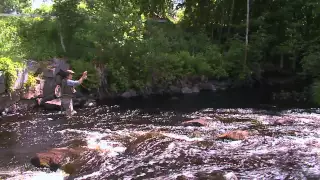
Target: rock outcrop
<point x="46" y="88"/>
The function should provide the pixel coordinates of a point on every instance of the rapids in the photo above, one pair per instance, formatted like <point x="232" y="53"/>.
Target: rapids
<point x="275" y="151"/>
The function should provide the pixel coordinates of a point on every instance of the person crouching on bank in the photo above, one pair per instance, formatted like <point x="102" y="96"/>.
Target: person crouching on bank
<point x="68" y="90"/>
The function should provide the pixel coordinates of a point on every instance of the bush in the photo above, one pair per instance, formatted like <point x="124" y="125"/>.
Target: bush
<point x="31" y="82"/>
<point x="10" y="69"/>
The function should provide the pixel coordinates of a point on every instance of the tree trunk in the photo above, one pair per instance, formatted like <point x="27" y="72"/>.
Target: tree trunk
<point x="230" y="19"/>
<point x="61" y="38"/>
<point x="222" y="24"/>
<point x="247" y="34"/>
<point x="294" y="59"/>
<point x="281" y="61"/>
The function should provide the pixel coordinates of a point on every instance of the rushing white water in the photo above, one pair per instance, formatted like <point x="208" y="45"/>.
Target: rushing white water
<point x="276" y="151"/>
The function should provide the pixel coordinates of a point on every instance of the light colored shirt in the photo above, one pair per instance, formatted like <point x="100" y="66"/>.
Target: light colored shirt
<point x="72" y="83"/>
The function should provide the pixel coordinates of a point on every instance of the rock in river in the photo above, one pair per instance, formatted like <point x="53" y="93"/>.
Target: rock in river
<point x="235" y="135"/>
<point x="196" y="122"/>
<point x="56" y="157"/>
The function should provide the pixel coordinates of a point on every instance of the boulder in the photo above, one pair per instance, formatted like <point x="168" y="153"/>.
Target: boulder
<point x="32" y="66"/>
<point x="174" y="89"/>
<point x="49" y="86"/>
<point x="7" y="99"/>
<point x="207" y="86"/>
<point x="129" y="94"/>
<point x="182" y="177"/>
<point x="149" y="143"/>
<point x="56" y="157"/>
<point x="60" y="65"/>
<point x="22" y="77"/>
<point x="49" y="73"/>
<point x="2" y="82"/>
<point x="216" y="175"/>
<point x="54" y="104"/>
<point x="235" y="135"/>
<point x="186" y="90"/>
<point x="283" y="121"/>
<point x="195" y="89"/>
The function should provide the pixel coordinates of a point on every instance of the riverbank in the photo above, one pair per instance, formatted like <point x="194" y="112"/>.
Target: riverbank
<point x="272" y="87"/>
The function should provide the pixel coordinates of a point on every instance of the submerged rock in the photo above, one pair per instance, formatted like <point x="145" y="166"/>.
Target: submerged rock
<point x="283" y="121"/>
<point x="216" y="175"/>
<point x="182" y="177"/>
<point x="196" y="122"/>
<point x="151" y="142"/>
<point x="235" y="135"/>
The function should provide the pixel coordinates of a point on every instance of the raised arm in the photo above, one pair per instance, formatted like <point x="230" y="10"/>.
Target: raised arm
<point x="77" y="83"/>
<point x="83" y="77"/>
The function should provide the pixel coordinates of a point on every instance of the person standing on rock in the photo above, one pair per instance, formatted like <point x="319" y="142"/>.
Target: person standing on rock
<point x="68" y="90"/>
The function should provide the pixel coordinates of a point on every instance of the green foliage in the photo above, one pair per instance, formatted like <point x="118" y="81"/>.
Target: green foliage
<point x="10" y="69"/>
<point x="31" y="82"/>
<point x="8" y="6"/>
<point x="316" y="92"/>
<point x="10" y="41"/>
<point x="206" y="38"/>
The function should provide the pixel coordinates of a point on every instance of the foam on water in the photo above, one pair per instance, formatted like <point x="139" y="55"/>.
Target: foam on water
<point x="37" y="175"/>
<point x="94" y="141"/>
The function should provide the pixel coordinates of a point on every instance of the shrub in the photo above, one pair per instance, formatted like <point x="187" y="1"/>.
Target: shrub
<point x="10" y="69"/>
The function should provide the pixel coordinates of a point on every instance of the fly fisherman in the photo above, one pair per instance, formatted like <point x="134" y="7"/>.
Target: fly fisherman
<point x="68" y="90"/>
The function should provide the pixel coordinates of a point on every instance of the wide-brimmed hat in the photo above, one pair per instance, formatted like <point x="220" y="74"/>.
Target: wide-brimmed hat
<point x="70" y="72"/>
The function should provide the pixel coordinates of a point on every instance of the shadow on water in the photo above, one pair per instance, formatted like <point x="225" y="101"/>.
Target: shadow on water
<point x="233" y="98"/>
<point x="144" y="138"/>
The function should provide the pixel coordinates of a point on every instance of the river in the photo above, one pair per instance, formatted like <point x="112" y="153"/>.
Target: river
<point x="287" y="151"/>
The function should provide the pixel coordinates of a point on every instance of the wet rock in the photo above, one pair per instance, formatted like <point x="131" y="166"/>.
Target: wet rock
<point x="49" y="86"/>
<point x="2" y="82"/>
<point x="151" y="142"/>
<point x="196" y="122"/>
<point x="313" y="174"/>
<point x="182" y="177"/>
<point x="32" y="66"/>
<point x="235" y="135"/>
<point x="129" y="94"/>
<point x="54" y="104"/>
<point x="283" y="121"/>
<point x="75" y="143"/>
<point x="207" y="86"/>
<point x="216" y="175"/>
<point x="205" y="144"/>
<point x="174" y="89"/>
<point x="90" y="103"/>
<point x="54" y="158"/>
<point x="88" y="161"/>
<point x="11" y="109"/>
<point x="195" y="89"/>
<point x="9" y="99"/>
<point x="186" y="90"/>
<point x="230" y="176"/>
<point x="125" y="140"/>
